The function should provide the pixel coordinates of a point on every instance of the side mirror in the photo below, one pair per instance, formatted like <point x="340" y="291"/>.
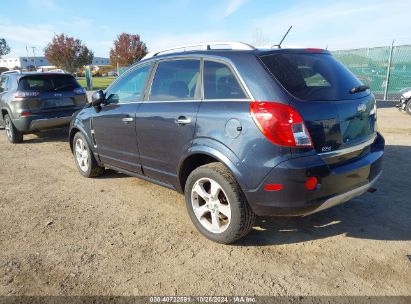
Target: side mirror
<point x="98" y="98"/>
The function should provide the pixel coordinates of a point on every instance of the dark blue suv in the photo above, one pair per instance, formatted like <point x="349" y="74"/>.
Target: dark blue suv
<point x="240" y="131"/>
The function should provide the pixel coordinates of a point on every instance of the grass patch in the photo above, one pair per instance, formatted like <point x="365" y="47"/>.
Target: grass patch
<point x="99" y="83"/>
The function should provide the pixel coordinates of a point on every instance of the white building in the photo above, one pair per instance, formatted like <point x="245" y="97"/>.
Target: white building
<point x="36" y="62"/>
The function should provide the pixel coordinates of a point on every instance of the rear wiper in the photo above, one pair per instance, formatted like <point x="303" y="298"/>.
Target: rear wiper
<point x="360" y="88"/>
<point x="61" y="87"/>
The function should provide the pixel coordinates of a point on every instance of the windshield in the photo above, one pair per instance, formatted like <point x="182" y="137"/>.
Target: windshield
<point x="48" y="83"/>
<point x="310" y="77"/>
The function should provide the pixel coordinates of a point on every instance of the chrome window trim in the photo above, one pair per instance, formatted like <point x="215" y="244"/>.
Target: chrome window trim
<point x="157" y="101"/>
<point x="228" y="100"/>
<point x="236" y="74"/>
<point x="349" y="149"/>
<point x="129" y="71"/>
<point x="154" y="71"/>
<point x="186" y="100"/>
<point x="172" y="101"/>
<point x="235" y="71"/>
<point x="203" y="57"/>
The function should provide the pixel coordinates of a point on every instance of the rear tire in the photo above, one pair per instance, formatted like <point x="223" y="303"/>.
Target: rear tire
<point x="408" y="107"/>
<point x="13" y="135"/>
<point x="216" y="204"/>
<point x="84" y="157"/>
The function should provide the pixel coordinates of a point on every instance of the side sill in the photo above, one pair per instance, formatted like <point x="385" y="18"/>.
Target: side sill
<point x="143" y="177"/>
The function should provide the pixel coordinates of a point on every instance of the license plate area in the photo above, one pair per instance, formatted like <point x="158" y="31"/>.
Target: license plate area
<point x="57" y="103"/>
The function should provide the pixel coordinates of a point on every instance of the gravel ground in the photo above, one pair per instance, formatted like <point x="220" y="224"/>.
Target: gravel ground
<point x="62" y="234"/>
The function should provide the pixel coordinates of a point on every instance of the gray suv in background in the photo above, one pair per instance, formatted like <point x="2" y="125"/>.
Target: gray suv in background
<point x="34" y="101"/>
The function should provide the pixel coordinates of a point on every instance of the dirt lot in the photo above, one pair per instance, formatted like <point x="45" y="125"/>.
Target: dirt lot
<point x="62" y="234"/>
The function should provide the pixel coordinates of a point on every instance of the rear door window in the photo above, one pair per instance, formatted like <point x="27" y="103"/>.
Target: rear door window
<point x="48" y="83"/>
<point x="176" y="80"/>
<point x="220" y="82"/>
<point x="313" y="76"/>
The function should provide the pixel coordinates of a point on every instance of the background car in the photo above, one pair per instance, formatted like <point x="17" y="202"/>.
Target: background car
<point x="34" y="101"/>
<point x="404" y="104"/>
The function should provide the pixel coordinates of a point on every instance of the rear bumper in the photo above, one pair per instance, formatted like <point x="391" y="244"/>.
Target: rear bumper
<point x="36" y="122"/>
<point x="345" y="197"/>
<point x="337" y="184"/>
<point x="45" y="123"/>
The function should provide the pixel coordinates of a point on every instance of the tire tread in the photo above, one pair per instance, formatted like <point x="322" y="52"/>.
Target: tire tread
<point x="17" y="136"/>
<point x="247" y="216"/>
<point x="95" y="169"/>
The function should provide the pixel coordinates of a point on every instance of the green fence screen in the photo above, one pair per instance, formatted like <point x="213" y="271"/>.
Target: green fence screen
<point x="371" y="64"/>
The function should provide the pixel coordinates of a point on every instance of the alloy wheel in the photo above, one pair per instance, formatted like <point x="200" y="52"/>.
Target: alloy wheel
<point x="211" y="205"/>
<point x="82" y="156"/>
<point x="8" y="127"/>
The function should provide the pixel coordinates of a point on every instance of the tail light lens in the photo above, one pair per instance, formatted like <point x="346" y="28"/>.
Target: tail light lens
<point x="26" y="113"/>
<point x="281" y="124"/>
<point x="311" y="183"/>
<point x="23" y="94"/>
<point x="79" y="91"/>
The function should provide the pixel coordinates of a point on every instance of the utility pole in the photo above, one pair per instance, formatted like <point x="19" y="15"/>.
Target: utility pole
<point x="387" y="78"/>
<point x="34" y="54"/>
<point x="27" y="57"/>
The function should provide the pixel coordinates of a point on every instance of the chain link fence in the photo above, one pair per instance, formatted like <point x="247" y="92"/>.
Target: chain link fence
<point x="371" y="66"/>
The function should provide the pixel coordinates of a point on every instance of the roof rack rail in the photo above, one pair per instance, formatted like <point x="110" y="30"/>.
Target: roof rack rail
<point x="11" y="72"/>
<point x="214" y="45"/>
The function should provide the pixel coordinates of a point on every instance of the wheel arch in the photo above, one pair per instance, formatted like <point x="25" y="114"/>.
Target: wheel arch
<point x="3" y="113"/>
<point x="73" y="131"/>
<point x="200" y="155"/>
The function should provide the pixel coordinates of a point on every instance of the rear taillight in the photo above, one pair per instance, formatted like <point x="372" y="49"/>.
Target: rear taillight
<point x="23" y="94"/>
<point x="26" y="113"/>
<point x="79" y="91"/>
<point x="281" y="124"/>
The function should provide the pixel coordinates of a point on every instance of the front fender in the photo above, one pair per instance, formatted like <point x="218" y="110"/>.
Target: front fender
<point x="77" y="125"/>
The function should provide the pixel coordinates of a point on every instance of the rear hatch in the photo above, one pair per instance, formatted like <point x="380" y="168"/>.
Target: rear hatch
<point x="50" y="93"/>
<point x="338" y="110"/>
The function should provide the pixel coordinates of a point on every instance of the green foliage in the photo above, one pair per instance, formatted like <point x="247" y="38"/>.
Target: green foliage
<point x="68" y="53"/>
<point x="4" y="47"/>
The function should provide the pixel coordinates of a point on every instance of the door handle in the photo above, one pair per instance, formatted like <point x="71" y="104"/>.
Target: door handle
<point x="182" y="120"/>
<point x="127" y="119"/>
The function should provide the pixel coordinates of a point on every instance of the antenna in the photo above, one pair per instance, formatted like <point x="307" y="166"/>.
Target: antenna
<point x="279" y="45"/>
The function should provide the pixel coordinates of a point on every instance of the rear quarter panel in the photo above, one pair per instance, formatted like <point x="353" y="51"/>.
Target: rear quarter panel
<point x="252" y="155"/>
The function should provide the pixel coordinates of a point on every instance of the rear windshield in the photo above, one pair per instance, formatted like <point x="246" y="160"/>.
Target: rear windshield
<point x="48" y="83"/>
<point x="309" y="76"/>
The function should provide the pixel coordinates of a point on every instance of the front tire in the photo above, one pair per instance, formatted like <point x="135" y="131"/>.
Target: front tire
<point x="84" y="157"/>
<point x="216" y="204"/>
<point x="13" y="135"/>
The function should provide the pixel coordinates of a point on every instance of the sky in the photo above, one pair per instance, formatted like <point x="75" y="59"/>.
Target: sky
<point x="161" y="24"/>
